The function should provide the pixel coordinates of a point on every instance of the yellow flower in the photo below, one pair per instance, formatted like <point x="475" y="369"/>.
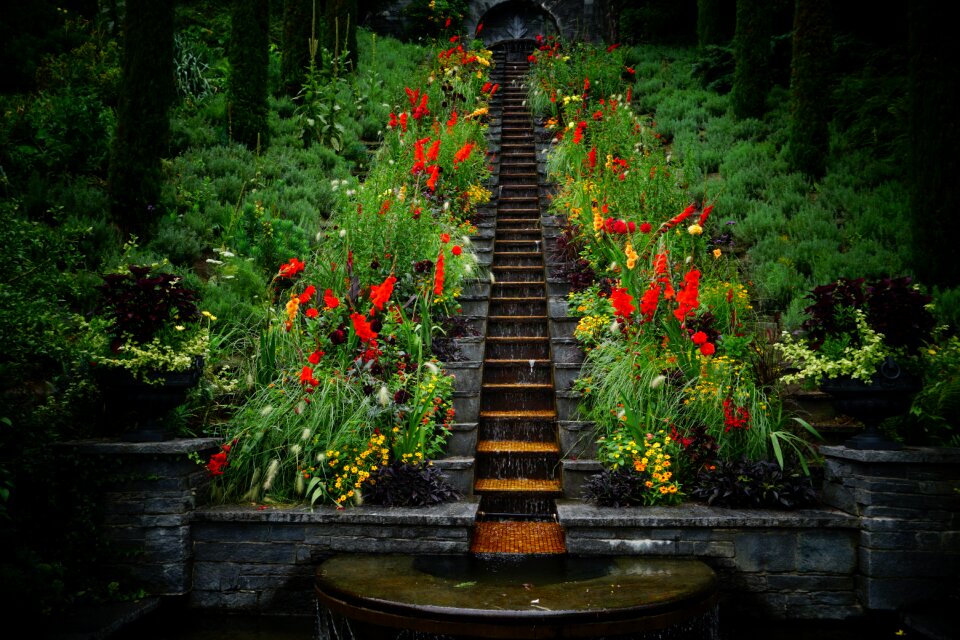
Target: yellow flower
<point x="695" y="230"/>
<point x="717" y="253"/>
<point x="212" y="317"/>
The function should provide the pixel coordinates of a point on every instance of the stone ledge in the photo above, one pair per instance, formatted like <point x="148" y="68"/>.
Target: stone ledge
<point x="462" y="513"/>
<point x="165" y="447"/>
<point x="908" y="455"/>
<point x="574" y="513"/>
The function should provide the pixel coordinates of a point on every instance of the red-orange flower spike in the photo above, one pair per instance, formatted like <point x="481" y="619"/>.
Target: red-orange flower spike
<point x="362" y="328"/>
<point x="622" y="302"/>
<point x="434" y="151"/>
<point x="432" y="180"/>
<point x="379" y="294"/>
<point x="438" y="275"/>
<point x="463" y="153"/>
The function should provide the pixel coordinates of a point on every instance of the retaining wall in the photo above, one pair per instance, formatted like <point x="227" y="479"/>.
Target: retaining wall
<point x="886" y="539"/>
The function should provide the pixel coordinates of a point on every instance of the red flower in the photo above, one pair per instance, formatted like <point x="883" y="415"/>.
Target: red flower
<point x="454" y="38"/>
<point x="645" y="227"/>
<point x="291" y="268"/>
<point x="306" y="377"/>
<point x="479" y="28"/>
<point x="486" y="87"/>
<point x="438" y="276"/>
<point x="451" y="122"/>
<point x="456" y="250"/>
<point x="403" y="121"/>
<point x="619" y="226"/>
<point x="412" y="95"/>
<point x="444" y="238"/>
<point x="330" y="300"/>
<point x="218" y="461"/>
<point x="393" y="121"/>
<point x="592" y="158"/>
<point x="699" y="338"/>
<point x="613" y="47"/>
<point x="314" y="357"/>
<point x="683" y="215"/>
<point x="705" y="215"/>
<point x="307" y="294"/>
<point x="687" y="297"/>
<point x="622" y="302"/>
<point x="632" y="226"/>
<point x="735" y="417"/>
<point x="463" y="153"/>
<point x="578" y="132"/>
<point x="312" y="312"/>
<point x="362" y="328"/>
<point x="648" y="302"/>
<point x="379" y="294"/>
<point x="432" y="180"/>
<point x="707" y="349"/>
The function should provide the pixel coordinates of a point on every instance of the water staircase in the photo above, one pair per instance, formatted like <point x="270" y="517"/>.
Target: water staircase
<point x="517" y="472"/>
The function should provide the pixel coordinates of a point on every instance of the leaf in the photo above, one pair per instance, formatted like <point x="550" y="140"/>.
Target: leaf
<point x="464" y="585"/>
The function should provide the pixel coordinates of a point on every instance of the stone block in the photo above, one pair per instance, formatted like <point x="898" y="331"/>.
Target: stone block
<point x="766" y="551"/>
<point x="564" y="375"/>
<point x="578" y="440"/>
<point x="247" y="551"/>
<point x="467" y="375"/>
<point x="826" y="551"/>
<point x="811" y="584"/>
<point x="462" y="440"/>
<point x="701" y="548"/>
<point x="466" y="406"/>
<point x="575" y="473"/>
<point x="884" y="563"/>
<point x="215" y="576"/>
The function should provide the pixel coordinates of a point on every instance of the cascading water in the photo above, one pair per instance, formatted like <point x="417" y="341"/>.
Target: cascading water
<point x="518" y="582"/>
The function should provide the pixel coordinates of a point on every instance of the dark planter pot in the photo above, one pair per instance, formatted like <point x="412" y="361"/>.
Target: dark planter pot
<point x="139" y="409"/>
<point x="887" y="395"/>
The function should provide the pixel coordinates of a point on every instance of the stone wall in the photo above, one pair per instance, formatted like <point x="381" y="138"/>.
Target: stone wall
<point x="908" y="506"/>
<point x="887" y="540"/>
<point x="771" y="564"/>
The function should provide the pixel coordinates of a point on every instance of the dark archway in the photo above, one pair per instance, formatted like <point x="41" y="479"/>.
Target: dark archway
<point x="516" y="20"/>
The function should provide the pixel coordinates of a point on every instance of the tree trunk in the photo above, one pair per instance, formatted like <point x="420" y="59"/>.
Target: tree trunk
<point x="341" y="30"/>
<point x="934" y="140"/>
<point x="714" y="22"/>
<point x="751" y="50"/>
<point x="810" y="86"/>
<point x="298" y="28"/>
<point x="249" y="61"/>
<point x="143" y="126"/>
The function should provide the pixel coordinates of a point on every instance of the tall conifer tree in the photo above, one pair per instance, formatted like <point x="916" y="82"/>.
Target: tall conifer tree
<point x="143" y="125"/>
<point x="810" y="84"/>
<point x="751" y="50"/>
<point x="249" y="61"/>
<point x="297" y="22"/>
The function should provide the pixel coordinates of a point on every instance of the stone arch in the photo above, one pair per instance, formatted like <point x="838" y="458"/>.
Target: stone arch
<point x="505" y="19"/>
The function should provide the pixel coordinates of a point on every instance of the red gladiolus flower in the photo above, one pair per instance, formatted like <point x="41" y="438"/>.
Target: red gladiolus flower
<point x="613" y="47"/>
<point x="486" y="87"/>
<point x="456" y="250"/>
<point x="451" y="122"/>
<point x="438" y="276"/>
<point x="218" y="462"/>
<point x="306" y="377"/>
<point x="735" y="417"/>
<point x="291" y="268"/>
<point x="531" y="59"/>
<point x="362" y="328"/>
<point x="384" y="207"/>
<point x="393" y="121"/>
<point x="379" y="294"/>
<point x="586" y="85"/>
<point x="493" y="89"/>
<point x="687" y="297"/>
<point x="412" y="95"/>
<point x="421" y="109"/>
<point x="454" y="38"/>
<point x="622" y="302"/>
<point x="432" y="180"/>
<point x="403" y="121"/>
<point x="645" y="227"/>
<point x="330" y="300"/>
<point x="314" y="357"/>
<point x="648" y="302"/>
<point x="446" y="25"/>
<point x="578" y="132"/>
<point x="463" y="153"/>
<point x="592" y="158"/>
<point x="699" y="338"/>
<point x="683" y="215"/>
<point x="312" y="312"/>
<point x="707" y="349"/>
<point x="307" y="294"/>
<point x="444" y="238"/>
<point x="705" y="215"/>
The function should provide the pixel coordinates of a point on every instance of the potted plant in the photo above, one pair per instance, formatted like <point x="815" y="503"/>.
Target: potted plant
<point x="863" y="343"/>
<point x="149" y="341"/>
